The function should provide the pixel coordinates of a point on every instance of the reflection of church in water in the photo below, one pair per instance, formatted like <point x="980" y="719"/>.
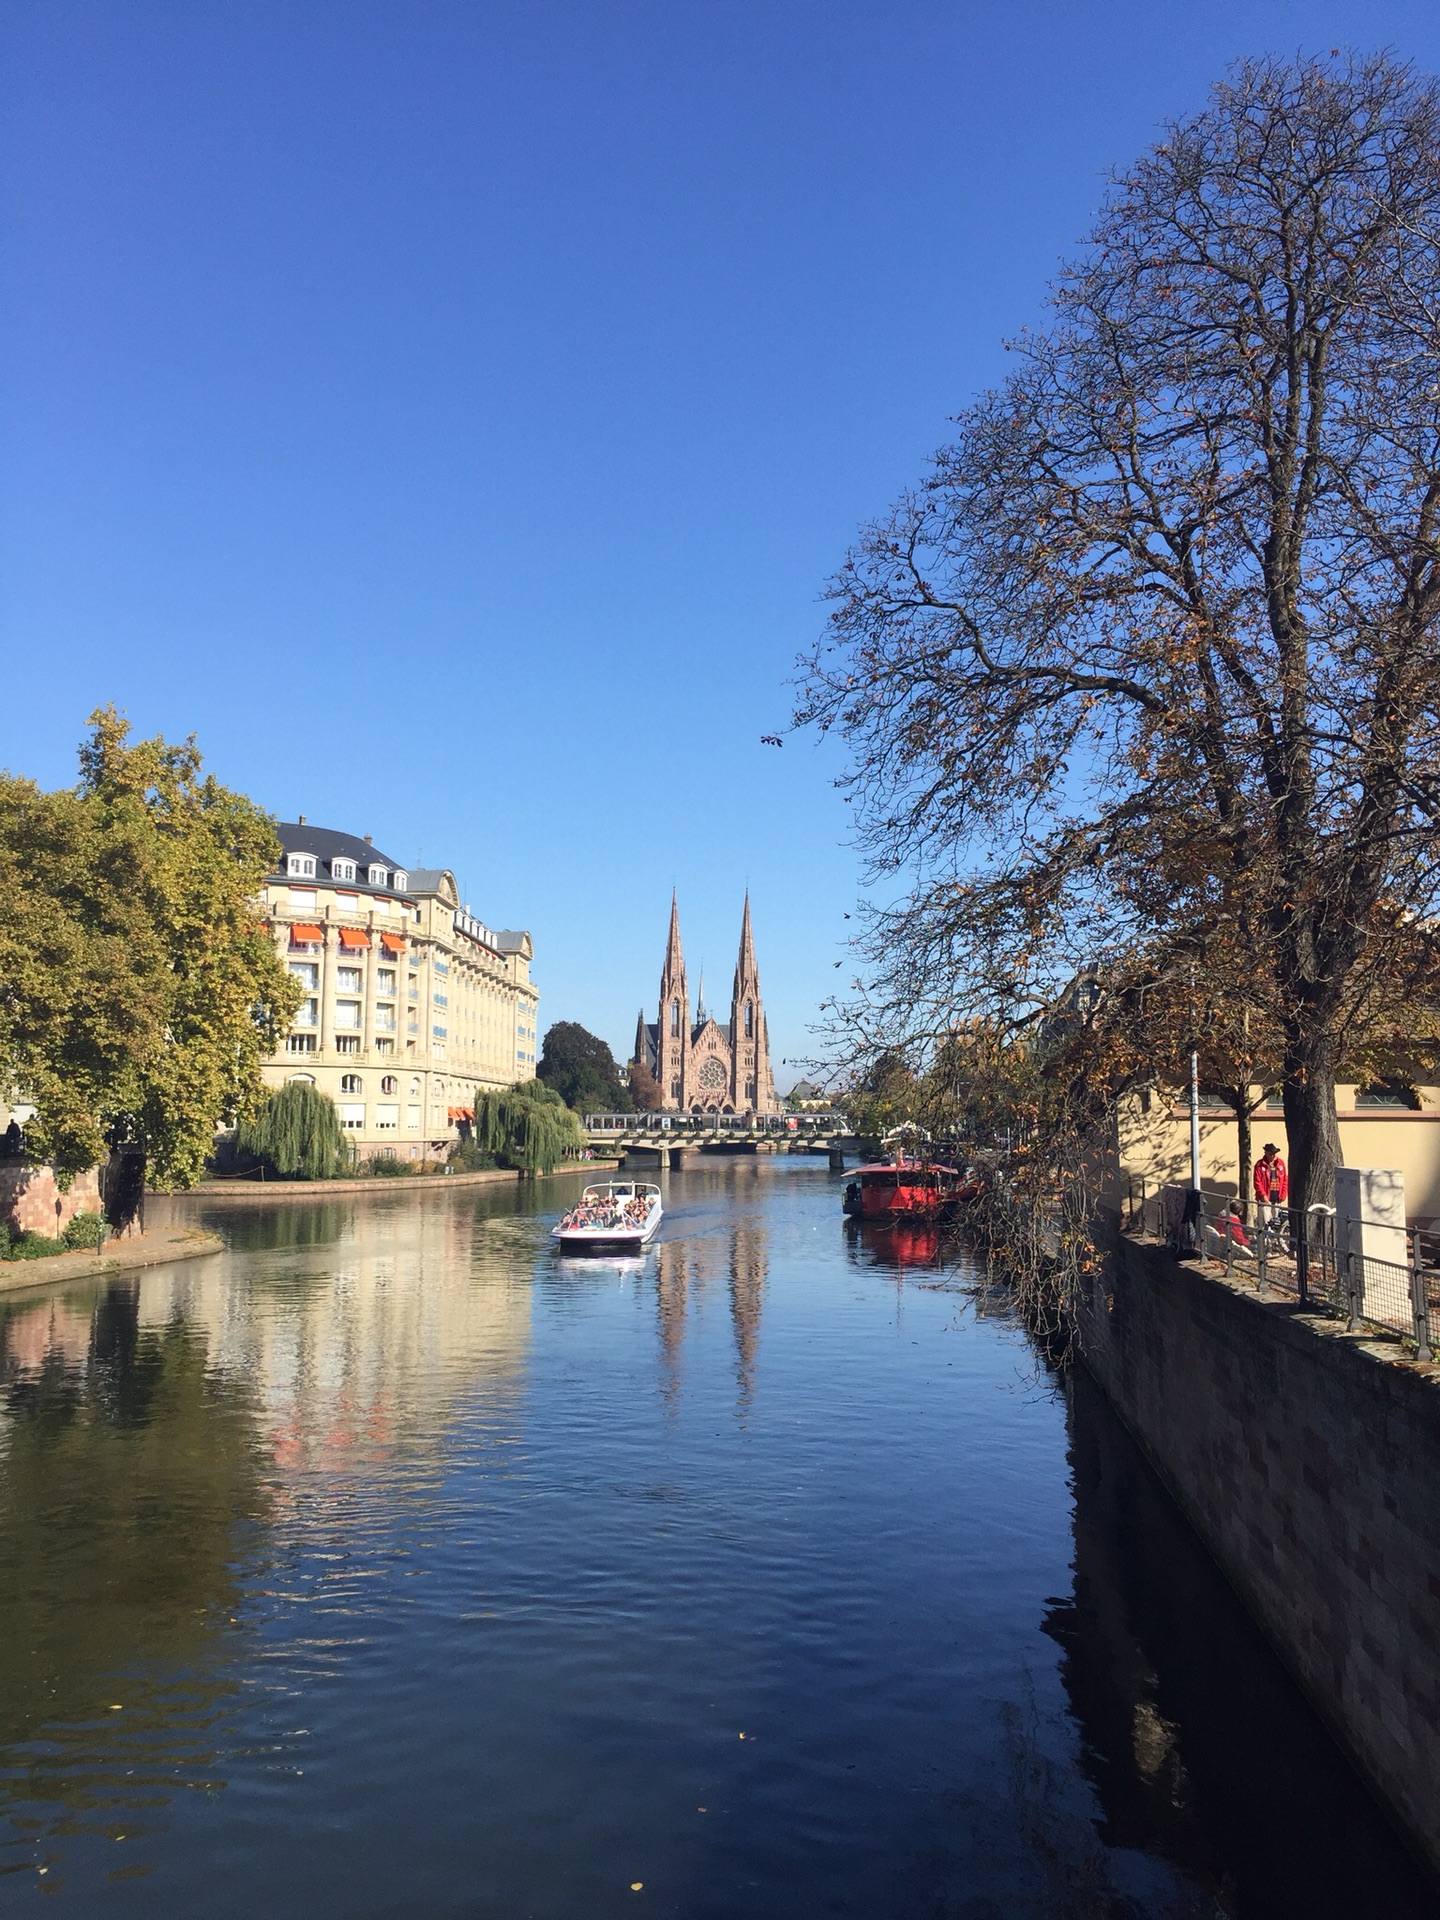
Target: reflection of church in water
<point x="700" y="1066"/>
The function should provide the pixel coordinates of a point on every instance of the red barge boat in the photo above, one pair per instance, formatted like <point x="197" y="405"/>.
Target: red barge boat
<point x="907" y="1184"/>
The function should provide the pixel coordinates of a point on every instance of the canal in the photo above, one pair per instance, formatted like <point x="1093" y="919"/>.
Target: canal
<point x="385" y="1565"/>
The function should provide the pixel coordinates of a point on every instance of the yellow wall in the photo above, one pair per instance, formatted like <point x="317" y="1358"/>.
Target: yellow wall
<point x="1154" y="1145"/>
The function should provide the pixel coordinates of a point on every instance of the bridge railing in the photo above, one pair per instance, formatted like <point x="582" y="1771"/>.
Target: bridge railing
<point x="780" y="1124"/>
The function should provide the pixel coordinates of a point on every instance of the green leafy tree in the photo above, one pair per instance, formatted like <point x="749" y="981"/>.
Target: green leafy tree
<point x="886" y="1095"/>
<point x="582" y="1070"/>
<point x="297" y="1131"/>
<point x="528" y="1126"/>
<point x="139" y="987"/>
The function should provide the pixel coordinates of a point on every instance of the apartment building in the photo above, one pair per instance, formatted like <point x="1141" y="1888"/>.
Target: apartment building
<point x="412" y="1004"/>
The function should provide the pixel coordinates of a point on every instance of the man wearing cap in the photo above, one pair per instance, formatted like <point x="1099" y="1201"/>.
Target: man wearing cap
<point x="1272" y="1187"/>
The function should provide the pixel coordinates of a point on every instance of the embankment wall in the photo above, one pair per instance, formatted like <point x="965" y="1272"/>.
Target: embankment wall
<point x="1308" y="1460"/>
<point x="33" y="1201"/>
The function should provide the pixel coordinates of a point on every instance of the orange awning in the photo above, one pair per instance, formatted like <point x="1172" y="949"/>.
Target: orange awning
<point x="460" y="1113"/>
<point x="354" y="938"/>
<point x="303" y="934"/>
<point x="393" y="943"/>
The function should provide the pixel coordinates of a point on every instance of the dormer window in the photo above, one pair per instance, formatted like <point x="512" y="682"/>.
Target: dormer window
<point x="399" y="881"/>
<point x="377" y="874"/>
<point x="342" y="869"/>
<point x="300" y="866"/>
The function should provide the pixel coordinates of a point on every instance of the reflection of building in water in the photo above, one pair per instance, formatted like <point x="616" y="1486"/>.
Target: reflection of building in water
<point x="673" y="1261"/>
<point x="37" y="1331"/>
<point x="353" y="1347"/>
<point x="748" y="1272"/>
<point x="681" y="1276"/>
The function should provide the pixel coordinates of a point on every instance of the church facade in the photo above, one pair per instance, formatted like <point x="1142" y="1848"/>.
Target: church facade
<point x="700" y="1065"/>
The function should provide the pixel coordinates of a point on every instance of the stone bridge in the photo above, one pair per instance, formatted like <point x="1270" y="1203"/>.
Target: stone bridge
<point x="664" y="1139"/>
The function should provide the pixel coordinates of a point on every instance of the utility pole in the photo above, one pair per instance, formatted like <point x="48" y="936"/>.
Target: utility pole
<point x="1195" y="1119"/>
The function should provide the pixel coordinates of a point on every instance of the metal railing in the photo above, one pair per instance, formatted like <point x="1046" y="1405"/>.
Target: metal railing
<point x="1302" y="1255"/>
<point x="780" y="1124"/>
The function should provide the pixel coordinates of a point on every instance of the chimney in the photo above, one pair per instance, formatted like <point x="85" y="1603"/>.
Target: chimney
<point x="368" y="841"/>
<point x="301" y="820"/>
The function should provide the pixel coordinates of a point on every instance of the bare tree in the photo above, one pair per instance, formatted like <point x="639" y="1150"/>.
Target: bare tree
<point x="1155" y="641"/>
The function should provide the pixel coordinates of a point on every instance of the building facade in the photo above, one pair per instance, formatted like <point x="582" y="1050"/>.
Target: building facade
<point x="412" y="1007"/>
<point x="702" y="1067"/>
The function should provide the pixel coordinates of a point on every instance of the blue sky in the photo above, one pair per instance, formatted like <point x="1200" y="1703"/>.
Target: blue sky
<point x="452" y="412"/>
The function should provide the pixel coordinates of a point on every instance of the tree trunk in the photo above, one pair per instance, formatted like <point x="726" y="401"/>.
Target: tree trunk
<point x="1244" y="1149"/>
<point x="1311" y="1129"/>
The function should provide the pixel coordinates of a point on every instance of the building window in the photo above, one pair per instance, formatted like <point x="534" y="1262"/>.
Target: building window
<point x="308" y="1015"/>
<point x="385" y="1019"/>
<point x="347" y="902"/>
<point x="347" y="1016"/>
<point x="347" y="1043"/>
<point x="342" y="869"/>
<point x="385" y="980"/>
<point x="384" y="1046"/>
<point x="352" y="1115"/>
<point x="301" y="866"/>
<point x="302" y="899"/>
<point x="1388" y="1093"/>
<point x="674" y="1018"/>
<point x="442" y="966"/>
<point x="350" y="1083"/>
<point x="674" y="1089"/>
<point x="300" y="1043"/>
<point x="414" y="1086"/>
<point x="307" y="973"/>
<point x="302" y="1079"/>
<point x="387" y="1117"/>
<point x="377" y="874"/>
<point x="442" y="1000"/>
<point x="399" y="881"/>
<point x="749" y="1021"/>
<point x="389" y="1084"/>
<point x="349" y="980"/>
<point x="412" y="1119"/>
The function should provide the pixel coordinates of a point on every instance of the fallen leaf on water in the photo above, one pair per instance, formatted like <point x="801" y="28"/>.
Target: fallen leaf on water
<point x="636" y="1885"/>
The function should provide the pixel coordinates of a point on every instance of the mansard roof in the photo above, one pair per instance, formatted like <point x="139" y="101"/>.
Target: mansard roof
<point x="328" y="844"/>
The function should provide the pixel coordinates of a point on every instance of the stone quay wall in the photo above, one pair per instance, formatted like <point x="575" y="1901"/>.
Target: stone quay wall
<point x="1308" y="1460"/>
<point x="28" y="1197"/>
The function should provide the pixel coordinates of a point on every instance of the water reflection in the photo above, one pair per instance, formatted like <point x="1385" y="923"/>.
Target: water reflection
<point x="684" y="1270"/>
<point x="428" y="1574"/>
<point x="132" y="1493"/>
<point x="905" y="1243"/>
<point x="749" y="1270"/>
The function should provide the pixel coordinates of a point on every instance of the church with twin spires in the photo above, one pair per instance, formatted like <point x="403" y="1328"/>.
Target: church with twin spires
<point x="700" y="1066"/>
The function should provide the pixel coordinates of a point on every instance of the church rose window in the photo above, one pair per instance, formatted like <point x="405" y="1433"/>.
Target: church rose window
<point x="712" y="1074"/>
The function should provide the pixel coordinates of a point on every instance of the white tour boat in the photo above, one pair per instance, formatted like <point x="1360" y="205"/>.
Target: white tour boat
<point x="612" y="1216"/>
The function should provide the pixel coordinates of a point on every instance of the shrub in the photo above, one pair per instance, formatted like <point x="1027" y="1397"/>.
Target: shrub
<point x="86" y="1230"/>
<point x="36" y="1246"/>
<point x="470" y="1157"/>
<point x="385" y="1166"/>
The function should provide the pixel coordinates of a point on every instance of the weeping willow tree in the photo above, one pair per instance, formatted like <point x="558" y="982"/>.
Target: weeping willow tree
<point x="297" y="1131"/>
<point x="528" y="1126"/>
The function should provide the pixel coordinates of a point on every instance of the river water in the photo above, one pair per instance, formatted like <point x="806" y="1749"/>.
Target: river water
<point x="387" y="1565"/>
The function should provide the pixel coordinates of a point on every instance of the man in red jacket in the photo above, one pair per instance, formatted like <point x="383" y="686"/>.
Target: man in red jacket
<point x="1272" y="1187"/>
